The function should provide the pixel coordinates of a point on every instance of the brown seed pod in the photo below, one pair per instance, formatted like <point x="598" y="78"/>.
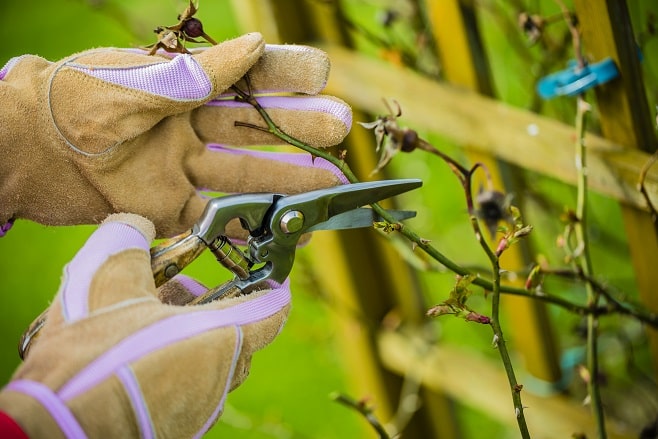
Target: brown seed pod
<point x="409" y="140"/>
<point x="193" y="28"/>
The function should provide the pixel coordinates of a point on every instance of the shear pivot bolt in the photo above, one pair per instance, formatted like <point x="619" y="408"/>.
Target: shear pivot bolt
<point x="292" y="221"/>
<point x="171" y="271"/>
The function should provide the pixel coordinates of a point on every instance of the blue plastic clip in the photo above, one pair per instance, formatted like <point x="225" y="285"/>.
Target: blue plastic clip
<point x="573" y="80"/>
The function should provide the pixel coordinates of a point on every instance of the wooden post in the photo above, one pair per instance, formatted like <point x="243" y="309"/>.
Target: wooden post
<point x="625" y="119"/>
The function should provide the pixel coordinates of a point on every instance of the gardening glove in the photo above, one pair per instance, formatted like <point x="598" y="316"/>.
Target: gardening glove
<point x="114" y="361"/>
<point x="117" y="130"/>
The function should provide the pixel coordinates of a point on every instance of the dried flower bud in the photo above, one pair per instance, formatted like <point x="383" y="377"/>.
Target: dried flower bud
<point x="523" y="231"/>
<point x="569" y="217"/>
<point x="440" y="310"/>
<point x="192" y="27"/>
<point x="477" y="318"/>
<point x="409" y="140"/>
<point x="492" y="208"/>
<point x="531" y="25"/>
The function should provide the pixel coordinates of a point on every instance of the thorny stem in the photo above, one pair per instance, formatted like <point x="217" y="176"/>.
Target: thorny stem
<point x="499" y="339"/>
<point x="584" y="265"/>
<point x="465" y="176"/>
<point x="273" y="128"/>
<point x="648" y="318"/>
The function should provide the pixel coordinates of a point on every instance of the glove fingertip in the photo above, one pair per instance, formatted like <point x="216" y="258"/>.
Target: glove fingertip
<point x="229" y="61"/>
<point x="143" y="225"/>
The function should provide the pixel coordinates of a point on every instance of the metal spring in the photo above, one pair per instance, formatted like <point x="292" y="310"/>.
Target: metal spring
<point x="231" y="257"/>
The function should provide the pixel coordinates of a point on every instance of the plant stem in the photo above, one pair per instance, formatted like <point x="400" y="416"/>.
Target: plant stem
<point x="642" y="315"/>
<point x="584" y="264"/>
<point x="515" y="388"/>
<point x="499" y="338"/>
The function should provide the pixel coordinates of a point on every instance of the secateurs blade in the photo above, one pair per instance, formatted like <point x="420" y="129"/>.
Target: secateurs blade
<point x="275" y="224"/>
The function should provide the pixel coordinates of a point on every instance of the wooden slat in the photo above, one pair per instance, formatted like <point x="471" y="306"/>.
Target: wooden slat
<point x="607" y="31"/>
<point x="483" y="124"/>
<point x="481" y="384"/>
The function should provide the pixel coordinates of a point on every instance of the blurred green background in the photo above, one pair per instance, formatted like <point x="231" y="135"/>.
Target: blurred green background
<point x="287" y="393"/>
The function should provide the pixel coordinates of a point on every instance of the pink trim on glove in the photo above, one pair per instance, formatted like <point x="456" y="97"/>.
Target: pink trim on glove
<point x="297" y="159"/>
<point x="52" y="403"/>
<point x="299" y="103"/>
<point x="192" y="285"/>
<point x="227" y="385"/>
<point x="107" y="240"/>
<point x="182" y="78"/>
<point x="173" y="329"/>
<point x="131" y="385"/>
<point x="9" y="65"/>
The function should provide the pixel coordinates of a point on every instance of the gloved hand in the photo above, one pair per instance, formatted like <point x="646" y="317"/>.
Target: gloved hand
<point x="111" y="130"/>
<point x="114" y="361"/>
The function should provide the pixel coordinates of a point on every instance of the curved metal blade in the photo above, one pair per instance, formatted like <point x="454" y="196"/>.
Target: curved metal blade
<point x="357" y="218"/>
<point x="350" y="196"/>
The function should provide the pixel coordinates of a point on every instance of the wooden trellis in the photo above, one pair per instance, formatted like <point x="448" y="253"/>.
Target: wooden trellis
<point x="497" y="134"/>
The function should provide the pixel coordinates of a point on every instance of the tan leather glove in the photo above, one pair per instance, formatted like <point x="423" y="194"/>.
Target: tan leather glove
<point x="112" y="130"/>
<point x="113" y="361"/>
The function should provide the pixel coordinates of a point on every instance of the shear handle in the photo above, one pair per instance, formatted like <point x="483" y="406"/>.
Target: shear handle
<point x="249" y="208"/>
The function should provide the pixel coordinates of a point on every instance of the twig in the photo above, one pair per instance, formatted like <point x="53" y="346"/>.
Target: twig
<point x="582" y="258"/>
<point x="612" y="303"/>
<point x="362" y="408"/>
<point x="584" y="264"/>
<point x="502" y="346"/>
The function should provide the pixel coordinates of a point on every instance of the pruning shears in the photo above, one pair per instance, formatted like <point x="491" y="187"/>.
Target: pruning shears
<point x="274" y="222"/>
